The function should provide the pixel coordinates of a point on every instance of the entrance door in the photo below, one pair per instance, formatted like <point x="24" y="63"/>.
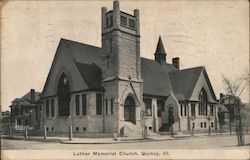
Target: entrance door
<point x="129" y="109"/>
<point x="170" y="117"/>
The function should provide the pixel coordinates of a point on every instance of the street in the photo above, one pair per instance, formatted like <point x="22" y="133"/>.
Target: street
<point x="213" y="142"/>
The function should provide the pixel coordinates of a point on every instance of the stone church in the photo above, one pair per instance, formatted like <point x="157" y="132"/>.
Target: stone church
<point x="99" y="90"/>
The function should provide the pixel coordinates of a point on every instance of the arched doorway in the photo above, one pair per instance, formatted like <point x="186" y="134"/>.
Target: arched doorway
<point x="170" y="116"/>
<point x="129" y="110"/>
<point x="64" y="96"/>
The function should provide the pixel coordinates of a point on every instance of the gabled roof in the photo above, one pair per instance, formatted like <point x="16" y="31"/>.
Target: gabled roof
<point x="160" y="48"/>
<point x="155" y="77"/>
<point x="26" y="99"/>
<point x="92" y="75"/>
<point x="28" y="96"/>
<point x="78" y="52"/>
<point x="184" y="81"/>
<point x="222" y="108"/>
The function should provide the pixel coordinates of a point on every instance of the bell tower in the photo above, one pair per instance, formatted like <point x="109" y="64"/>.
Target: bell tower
<point x="120" y="43"/>
<point x="121" y="63"/>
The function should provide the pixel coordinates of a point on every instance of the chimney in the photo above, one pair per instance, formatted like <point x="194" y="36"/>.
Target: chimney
<point x="221" y="95"/>
<point x="176" y="62"/>
<point x="32" y="95"/>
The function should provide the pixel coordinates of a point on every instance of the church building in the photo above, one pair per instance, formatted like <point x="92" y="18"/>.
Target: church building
<point x="99" y="90"/>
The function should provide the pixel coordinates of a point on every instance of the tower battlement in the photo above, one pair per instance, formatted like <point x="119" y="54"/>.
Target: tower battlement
<point x="119" y="20"/>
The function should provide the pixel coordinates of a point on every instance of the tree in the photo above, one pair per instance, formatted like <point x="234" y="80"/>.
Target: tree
<point x="234" y="91"/>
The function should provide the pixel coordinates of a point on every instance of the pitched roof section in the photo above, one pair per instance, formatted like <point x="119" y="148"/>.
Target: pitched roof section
<point x="80" y="52"/>
<point x="28" y="96"/>
<point x="222" y="108"/>
<point x="184" y="81"/>
<point x="160" y="48"/>
<point x="92" y="75"/>
<point x="26" y="100"/>
<point x="155" y="77"/>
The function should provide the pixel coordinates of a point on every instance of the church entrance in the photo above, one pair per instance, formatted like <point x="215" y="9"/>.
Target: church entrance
<point x="129" y="109"/>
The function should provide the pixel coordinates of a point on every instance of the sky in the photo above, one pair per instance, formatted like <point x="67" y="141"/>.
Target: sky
<point x="209" y="33"/>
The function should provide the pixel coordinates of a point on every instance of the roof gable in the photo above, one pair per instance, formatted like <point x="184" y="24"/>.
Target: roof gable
<point x="67" y="53"/>
<point x="184" y="81"/>
<point x="82" y="53"/>
<point x="27" y="96"/>
<point x="91" y="74"/>
<point x="203" y="83"/>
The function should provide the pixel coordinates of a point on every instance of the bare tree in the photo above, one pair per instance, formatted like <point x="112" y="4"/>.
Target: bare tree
<point x="234" y="91"/>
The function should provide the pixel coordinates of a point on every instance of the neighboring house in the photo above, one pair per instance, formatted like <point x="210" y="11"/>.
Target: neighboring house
<point x="99" y="90"/>
<point x="5" y="122"/>
<point x="233" y="104"/>
<point x="25" y="111"/>
<point x="223" y="116"/>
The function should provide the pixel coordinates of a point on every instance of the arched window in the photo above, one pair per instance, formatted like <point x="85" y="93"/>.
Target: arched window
<point x="203" y="102"/>
<point x="63" y="96"/>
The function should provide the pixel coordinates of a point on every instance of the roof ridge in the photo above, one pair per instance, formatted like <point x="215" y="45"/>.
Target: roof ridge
<point x="186" y="69"/>
<point x="155" y="61"/>
<point x="68" y="40"/>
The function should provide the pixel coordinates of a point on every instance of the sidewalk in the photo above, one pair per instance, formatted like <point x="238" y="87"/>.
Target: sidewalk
<point x="76" y="140"/>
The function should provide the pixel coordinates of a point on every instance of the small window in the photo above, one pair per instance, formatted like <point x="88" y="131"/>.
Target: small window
<point x="181" y="110"/>
<point x="52" y="128"/>
<point x="77" y="129"/>
<point x="110" y="46"/>
<point x="47" y="128"/>
<point x="16" y="111"/>
<point x="150" y="128"/>
<point x="47" y="108"/>
<point x="192" y="109"/>
<point x="77" y="104"/>
<point x="106" y="106"/>
<point x="37" y="113"/>
<point x="52" y="107"/>
<point x="193" y="125"/>
<point x="84" y="104"/>
<point x="205" y="125"/>
<point x="26" y="122"/>
<point x="160" y="107"/>
<point x="98" y="104"/>
<point x="84" y="128"/>
<point x="111" y="106"/>
<point x="201" y="125"/>
<point x="148" y="103"/>
<point x="19" y="122"/>
<point x="131" y="23"/>
<point x="211" y="110"/>
<point x="185" y="110"/>
<point x="21" y="111"/>
<point x="111" y="20"/>
<point x="123" y="21"/>
<point x="107" y="21"/>
<point x="212" y="125"/>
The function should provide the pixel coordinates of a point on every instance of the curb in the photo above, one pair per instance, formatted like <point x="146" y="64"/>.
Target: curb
<point x="107" y="142"/>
